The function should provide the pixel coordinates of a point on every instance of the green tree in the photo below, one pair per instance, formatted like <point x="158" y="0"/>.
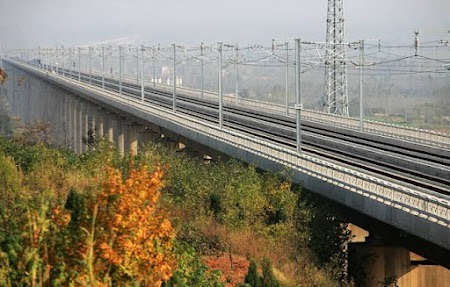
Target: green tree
<point x="323" y="231"/>
<point x="252" y="278"/>
<point x="268" y="279"/>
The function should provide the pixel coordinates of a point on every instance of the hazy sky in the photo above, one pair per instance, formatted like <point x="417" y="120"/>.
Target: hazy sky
<point x="56" y="22"/>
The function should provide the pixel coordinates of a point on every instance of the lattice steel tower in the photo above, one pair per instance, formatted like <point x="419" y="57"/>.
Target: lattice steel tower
<point x="336" y="96"/>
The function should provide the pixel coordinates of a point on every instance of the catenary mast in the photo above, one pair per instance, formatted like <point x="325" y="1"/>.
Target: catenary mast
<point x="336" y="95"/>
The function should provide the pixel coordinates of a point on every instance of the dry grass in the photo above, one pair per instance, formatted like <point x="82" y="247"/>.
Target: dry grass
<point x="246" y="243"/>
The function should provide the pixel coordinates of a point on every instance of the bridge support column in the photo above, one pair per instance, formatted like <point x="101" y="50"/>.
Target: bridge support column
<point x="120" y="137"/>
<point x="59" y="118"/>
<point x="28" y="99"/>
<point x="68" y="117"/>
<point x="397" y="266"/>
<point x="147" y="136"/>
<point x="79" y="128"/>
<point x="54" y="99"/>
<point x="45" y="104"/>
<point x="110" y="122"/>
<point x="176" y="142"/>
<point x="390" y="264"/>
<point x="73" y="116"/>
<point x="84" y="125"/>
<point x="100" y="122"/>
<point x="133" y="138"/>
<point x="92" y="133"/>
<point x="65" y="116"/>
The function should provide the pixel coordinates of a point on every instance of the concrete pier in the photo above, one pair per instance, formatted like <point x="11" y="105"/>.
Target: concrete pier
<point x="133" y="138"/>
<point x="120" y="137"/>
<point x="396" y="266"/>
<point x="388" y="264"/>
<point x="100" y="122"/>
<point x="85" y="125"/>
<point x="79" y="125"/>
<point x="92" y="121"/>
<point x="111" y="123"/>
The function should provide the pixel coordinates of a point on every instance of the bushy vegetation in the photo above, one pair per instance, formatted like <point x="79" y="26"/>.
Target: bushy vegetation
<point x="233" y="207"/>
<point x="100" y="219"/>
<point x="64" y="219"/>
<point x="252" y="279"/>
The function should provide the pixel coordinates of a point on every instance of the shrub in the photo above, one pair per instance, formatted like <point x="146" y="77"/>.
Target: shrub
<point x="191" y="272"/>
<point x="268" y="279"/>
<point x="252" y="279"/>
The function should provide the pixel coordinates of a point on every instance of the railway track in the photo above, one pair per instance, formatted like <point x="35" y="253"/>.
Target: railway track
<point x="422" y="167"/>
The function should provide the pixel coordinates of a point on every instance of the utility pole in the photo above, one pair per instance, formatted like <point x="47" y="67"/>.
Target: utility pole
<point x="120" y="69"/>
<point x="57" y="61"/>
<point x="298" y="100"/>
<point x="361" y="83"/>
<point x="416" y="43"/>
<point x="220" y="87"/>
<point x="39" y="57"/>
<point x="236" y="58"/>
<point x="71" y="61"/>
<point x="90" y="65"/>
<point x="336" y="95"/>
<point x="63" y="61"/>
<point x="110" y="62"/>
<point x="123" y="64"/>
<point x="154" y="67"/>
<point x="103" y="67"/>
<point x="49" y="60"/>
<point x="286" y="85"/>
<point x="79" y="64"/>
<point x="201" y="59"/>
<point x="137" y="65"/>
<point x="142" y="75"/>
<point x="174" y="78"/>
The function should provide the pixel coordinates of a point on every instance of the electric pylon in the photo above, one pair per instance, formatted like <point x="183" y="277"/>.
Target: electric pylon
<point x="336" y="96"/>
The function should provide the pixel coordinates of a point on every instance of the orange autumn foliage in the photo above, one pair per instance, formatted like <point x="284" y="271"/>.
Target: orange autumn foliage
<point x="137" y="238"/>
<point x="3" y="77"/>
<point x="60" y="217"/>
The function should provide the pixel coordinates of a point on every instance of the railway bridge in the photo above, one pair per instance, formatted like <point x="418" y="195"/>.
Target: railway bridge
<point x="388" y="175"/>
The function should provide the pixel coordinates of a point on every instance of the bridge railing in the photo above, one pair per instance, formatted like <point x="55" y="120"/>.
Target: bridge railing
<point x="418" y="203"/>
<point x="413" y="134"/>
